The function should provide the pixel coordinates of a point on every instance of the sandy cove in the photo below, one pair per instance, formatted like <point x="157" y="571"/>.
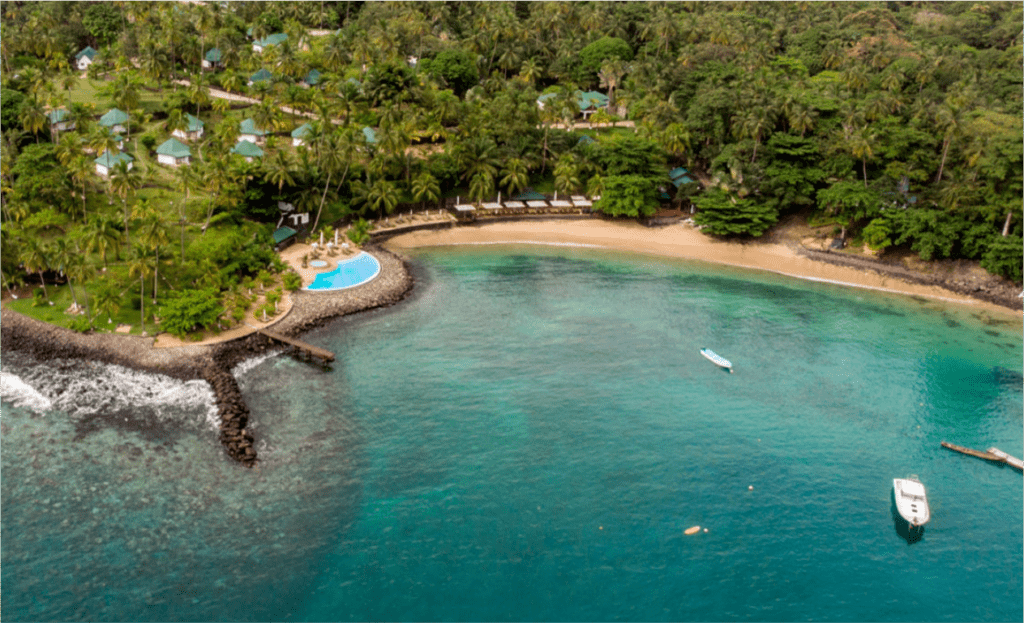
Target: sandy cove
<point x="683" y="241"/>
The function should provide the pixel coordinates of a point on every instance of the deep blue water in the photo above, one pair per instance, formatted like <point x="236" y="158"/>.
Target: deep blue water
<point x="527" y="438"/>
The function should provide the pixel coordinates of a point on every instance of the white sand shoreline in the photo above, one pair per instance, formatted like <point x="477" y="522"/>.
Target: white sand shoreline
<point x="682" y="241"/>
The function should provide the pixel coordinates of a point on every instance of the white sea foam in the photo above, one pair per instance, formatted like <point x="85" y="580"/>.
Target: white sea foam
<point x="86" y="388"/>
<point x="21" y="394"/>
<point x="249" y="364"/>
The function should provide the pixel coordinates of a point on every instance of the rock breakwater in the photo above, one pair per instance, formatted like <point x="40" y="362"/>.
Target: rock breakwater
<point x="214" y="362"/>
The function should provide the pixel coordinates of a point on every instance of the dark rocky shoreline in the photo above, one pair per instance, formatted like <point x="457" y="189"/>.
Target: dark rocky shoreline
<point x="994" y="290"/>
<point x="212" y="363"/>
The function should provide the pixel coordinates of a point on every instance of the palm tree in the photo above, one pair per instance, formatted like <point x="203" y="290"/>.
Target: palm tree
<point x="279" y="170"/>
<point x="32" y="117"/>
<point x="515" y="176"/>
<point x="567" y="176"/>
<point x="481" y="185"/>
<point x="82" y="170"/>
<point x="382" y="196"/>
<point x="63" y="257"/>
<point x="425" y="188"/>
<point x="676" y="139"/>
<point x="125" y="91"/>
<point x="610" y="74"/>
<point x="862" y="144"/>
<point x="123" y="183"/>
<point x="36" y="259"/>
<point x="153" y="235"/>
<point x="177" y="119"/>
<point x="107" y="300"/>
<point x="101" y="235"/>
<point x="141" y="263"/>
<point x="947" y="118"/>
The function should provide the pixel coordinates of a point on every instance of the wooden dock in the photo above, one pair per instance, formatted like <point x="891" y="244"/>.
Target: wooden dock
<point x="302" y="347"/>
<point x="992" y="454"/>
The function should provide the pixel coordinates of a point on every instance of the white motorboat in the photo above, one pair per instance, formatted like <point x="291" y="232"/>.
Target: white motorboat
<point x="911" y="501"/>
<point x="717" y="359"/>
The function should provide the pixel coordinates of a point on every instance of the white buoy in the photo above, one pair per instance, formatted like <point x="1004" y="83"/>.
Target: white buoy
<point x="750" y="488"/>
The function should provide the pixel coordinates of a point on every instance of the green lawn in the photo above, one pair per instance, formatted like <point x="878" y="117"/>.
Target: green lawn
<point x="62" y="300"/>
<point x="88" y="92"/>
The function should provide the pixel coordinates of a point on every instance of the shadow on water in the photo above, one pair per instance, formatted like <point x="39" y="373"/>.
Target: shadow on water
<point x="903" y="528"/>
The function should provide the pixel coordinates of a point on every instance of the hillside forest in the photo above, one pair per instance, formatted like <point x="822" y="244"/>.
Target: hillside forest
<point x="898" y="123"/>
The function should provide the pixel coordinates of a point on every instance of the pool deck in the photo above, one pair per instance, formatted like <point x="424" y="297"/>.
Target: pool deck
<point x="293" y="257"/>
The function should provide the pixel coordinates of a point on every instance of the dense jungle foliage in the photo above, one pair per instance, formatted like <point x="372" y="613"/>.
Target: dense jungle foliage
<point x="900" y="122"/>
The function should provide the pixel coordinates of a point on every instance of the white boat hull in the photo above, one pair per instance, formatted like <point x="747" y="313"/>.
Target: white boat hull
<point x="911" y="501"/>
<point x="716" y="359"/>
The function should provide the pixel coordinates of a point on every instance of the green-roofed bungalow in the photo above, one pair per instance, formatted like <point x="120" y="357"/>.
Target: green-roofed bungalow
<point x="299" y="134"/>
<point x="680" y="176"/>
<point x="115" y="119"/>
<point x="261" y="76"/>
<point x="214" y="58"/>
<point x="193" y="132"/>
<point x="85" y="57"/>
<point x="107" y="161"/>
<point x="283" y="237"/>
<point x="586" y="139"/>
<point x="60" y="120"/>
<point x="173" y="152"/>
<point x="312" y="78"/>
<point x="247" y="150"/>
<point x="247" y="131"/>
<point x="370" y="135"/>
<point x="270" y="40"/>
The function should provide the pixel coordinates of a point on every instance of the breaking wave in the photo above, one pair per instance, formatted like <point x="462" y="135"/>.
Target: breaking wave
<point x="21" y="394"/>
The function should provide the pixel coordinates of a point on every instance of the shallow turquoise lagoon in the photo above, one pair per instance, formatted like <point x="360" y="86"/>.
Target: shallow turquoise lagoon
<point x="348" y="273"/>
<point x="527" y="438"/>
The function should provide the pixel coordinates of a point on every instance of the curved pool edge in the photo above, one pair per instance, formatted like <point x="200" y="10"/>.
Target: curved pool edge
<point x="338" y="267"/>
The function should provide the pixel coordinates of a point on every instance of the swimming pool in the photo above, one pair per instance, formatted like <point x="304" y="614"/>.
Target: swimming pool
<point x="349" y="273"/>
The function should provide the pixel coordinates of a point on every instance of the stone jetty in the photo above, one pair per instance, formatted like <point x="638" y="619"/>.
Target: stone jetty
<point x="212" y="363"/>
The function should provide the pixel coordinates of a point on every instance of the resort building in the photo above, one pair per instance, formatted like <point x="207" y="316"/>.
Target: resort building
<point x="85" y="58"/>
<point x="214" y="59"/>
<point x="107" y="161"/>
<point x="247" y="131"/>
<point x="588" y="102"/>
<point x="311" y="79"/>
<point x="680" y="176"/>
<point x="299" y="134"/>
<point x="261" y="76"/>
<point x="270" y="40"/>
<point x="173" y="152"/>
<point x="283" y="238"/>
<point x="60" y="121"/>
<point x="116" y="120"/>
<point x="247" y="150"/>
<point x="194" y="132"/>
<point x="370" y="136"/>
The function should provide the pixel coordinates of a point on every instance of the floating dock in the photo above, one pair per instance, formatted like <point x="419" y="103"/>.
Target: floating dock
<point x="992" y="454"/>
<point x="306" y="349"/>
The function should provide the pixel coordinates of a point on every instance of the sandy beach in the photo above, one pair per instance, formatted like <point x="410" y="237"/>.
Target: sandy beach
<point x="683" y="241"/>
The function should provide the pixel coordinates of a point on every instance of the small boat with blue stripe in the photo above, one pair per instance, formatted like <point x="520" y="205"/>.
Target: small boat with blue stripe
<point x="717" y="359"/>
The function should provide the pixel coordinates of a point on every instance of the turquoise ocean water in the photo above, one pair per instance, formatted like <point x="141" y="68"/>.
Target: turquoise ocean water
<point x="527" y="438"/>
